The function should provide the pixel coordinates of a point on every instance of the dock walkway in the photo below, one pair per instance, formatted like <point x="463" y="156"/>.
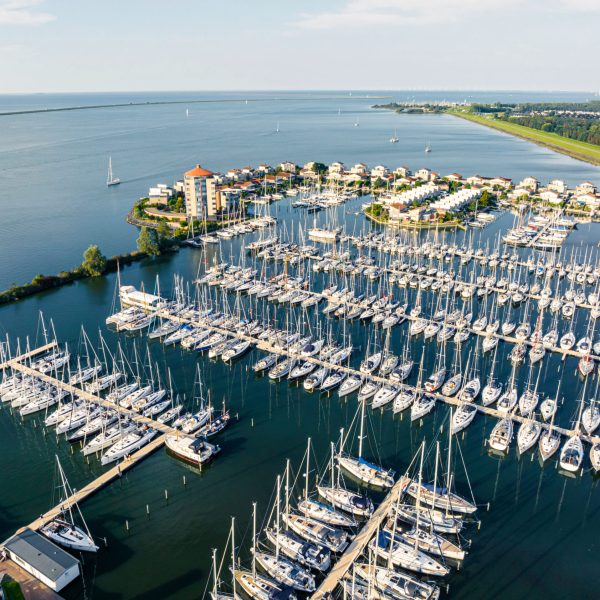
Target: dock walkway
<point x="115" y="471"/>
<point x="99" y="482"/>
<point x="358" y="545"/>
<point x="266" y="346"/>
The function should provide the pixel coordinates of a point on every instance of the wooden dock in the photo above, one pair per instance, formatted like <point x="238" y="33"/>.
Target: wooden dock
<point x="358" y="544"/>
<point x="99" y="482"/>
<point x="117" y="470"/>
<point x="22" y="357"/>
<point x="97" y="400"/>
<point x="266" y="346"/>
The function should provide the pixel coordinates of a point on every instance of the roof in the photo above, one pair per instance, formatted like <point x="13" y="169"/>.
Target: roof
<point x="198" y="171"/>
<point x="39" y="552"/>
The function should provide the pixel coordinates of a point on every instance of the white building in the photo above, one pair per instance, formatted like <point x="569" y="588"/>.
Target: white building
<point x="529" y="183"/>
<point x="457" y="201"/>
<point x="379" y="171"/>
<point x="418" y="194"/>
<point x="43" y="559"/>
<point x="558" y="185"/>
<point x="550" y="196"/>
<point x="337" y="168"/>
<point x="359" y="169"/>
<point x="423" y="174"/>
<point x="586" y="187"/>
<point x="287" y="166"/>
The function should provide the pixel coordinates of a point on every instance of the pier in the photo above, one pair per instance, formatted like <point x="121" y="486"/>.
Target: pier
<point x="98" y="483"/>
<point x="454" y="401"/>
<point x="358" y="545"/>
<point x="111" y="474"/>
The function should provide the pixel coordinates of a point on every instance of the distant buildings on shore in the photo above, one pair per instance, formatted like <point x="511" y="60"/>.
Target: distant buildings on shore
<point x="422" y="195"/>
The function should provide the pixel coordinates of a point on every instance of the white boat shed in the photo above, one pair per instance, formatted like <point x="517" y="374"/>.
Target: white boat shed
<point x="42" y="558"/>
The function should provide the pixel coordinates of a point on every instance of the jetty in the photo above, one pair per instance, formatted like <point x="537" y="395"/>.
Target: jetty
<point x="268" y="347"/>
<point x="358" y="544"/>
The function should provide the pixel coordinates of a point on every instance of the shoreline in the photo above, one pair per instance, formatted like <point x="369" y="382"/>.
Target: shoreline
<point x="416" y="226"/>
<point x="534" y="136"/>
<point x="33" y="111"/>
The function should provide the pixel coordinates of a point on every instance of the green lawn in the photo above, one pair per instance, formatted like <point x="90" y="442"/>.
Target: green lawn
<point x="12" y="590"/>
<point x="581" y="150"/>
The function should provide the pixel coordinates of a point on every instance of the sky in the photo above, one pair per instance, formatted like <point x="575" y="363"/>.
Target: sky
<point x="139" y="45"/>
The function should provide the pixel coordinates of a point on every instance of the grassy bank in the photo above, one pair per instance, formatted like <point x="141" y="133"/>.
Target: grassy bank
<point x="415" y="224"/>
<point x="42" y="283"/>
<point x="580" y="150"/>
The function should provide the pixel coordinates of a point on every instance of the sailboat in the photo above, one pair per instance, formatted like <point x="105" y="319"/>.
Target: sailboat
<point x="111" y="179"/>
<point x="62" y="529"/>
<point x="280" y="568"/>
<point x="572" y="453"/>
<point x="340" y="497"/>
<point x="428" y="148"/>
<point x="394" y="139"/>
<point x="363" y="470"/>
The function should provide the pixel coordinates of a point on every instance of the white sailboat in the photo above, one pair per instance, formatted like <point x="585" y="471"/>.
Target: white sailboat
<point x="111" y="179"/>
<point x="363" y="470"/>
<point x="62" y="529"/>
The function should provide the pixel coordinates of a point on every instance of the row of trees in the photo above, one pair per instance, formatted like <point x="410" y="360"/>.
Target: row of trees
<point x="581" y="129"/>
<point x="151" y="242"/>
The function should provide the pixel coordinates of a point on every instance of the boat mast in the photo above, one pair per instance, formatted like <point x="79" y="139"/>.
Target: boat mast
<point x="277" y="518"/>
<point x="435" y="474"/>
<point x="233" y="555"/>
<point x="419" y="496"/>
<point x="306" y="474"/>
<point x="362" y="424"/>
<point x="254" y="540"/>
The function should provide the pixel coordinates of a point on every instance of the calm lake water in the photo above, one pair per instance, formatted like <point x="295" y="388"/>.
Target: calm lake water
<point x="540" y="536"/>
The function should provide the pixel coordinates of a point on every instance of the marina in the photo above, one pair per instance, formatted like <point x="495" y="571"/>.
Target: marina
<point x="378" y="298"/>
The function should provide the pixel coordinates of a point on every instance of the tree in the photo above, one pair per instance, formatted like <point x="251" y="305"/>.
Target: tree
<point x="164" y="236"/>
<point x="319" y="168"/>
<point x="147" y="242"/>
<point x="94" y="262"/>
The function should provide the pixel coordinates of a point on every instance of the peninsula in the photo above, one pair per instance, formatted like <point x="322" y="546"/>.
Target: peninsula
<point x="569" y="128"/>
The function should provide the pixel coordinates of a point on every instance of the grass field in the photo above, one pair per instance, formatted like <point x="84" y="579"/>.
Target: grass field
<point x="580" y="150"/>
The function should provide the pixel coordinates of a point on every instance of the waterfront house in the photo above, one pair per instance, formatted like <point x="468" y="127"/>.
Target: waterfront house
<point x="379" y="172"/>
<point x="423" y="174"/>
<point x="520" y="192"/>
<point x="502" y="182"/>
<point x="400" y="181"/>
<point x="353" y="178"/>
<point x="586" y="187"/>
<point x="359" y="169"/>
<point x="454" y="177"/>
<point x="336" y="168"/>
<point x="397" y="211"/>
<point x="233" y="175"/>
<point x="558" y="185"/>
<point x="550" y="196"/>
<point x="307" y="171"/>
<point x="402" y="172"/>
<point x="264" y="168"/>
<point x="457" y="201"/>
<point x="288" y="166"/>
<point x="590" y="200"/>
<point x="160" y="193"/>
<point x="529" y="183"/>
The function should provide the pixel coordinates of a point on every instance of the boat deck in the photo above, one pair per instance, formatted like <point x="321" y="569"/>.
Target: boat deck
<point x="120" y="467"/>
<point x="358" y="544"/>
<point x="266" y="346"/>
